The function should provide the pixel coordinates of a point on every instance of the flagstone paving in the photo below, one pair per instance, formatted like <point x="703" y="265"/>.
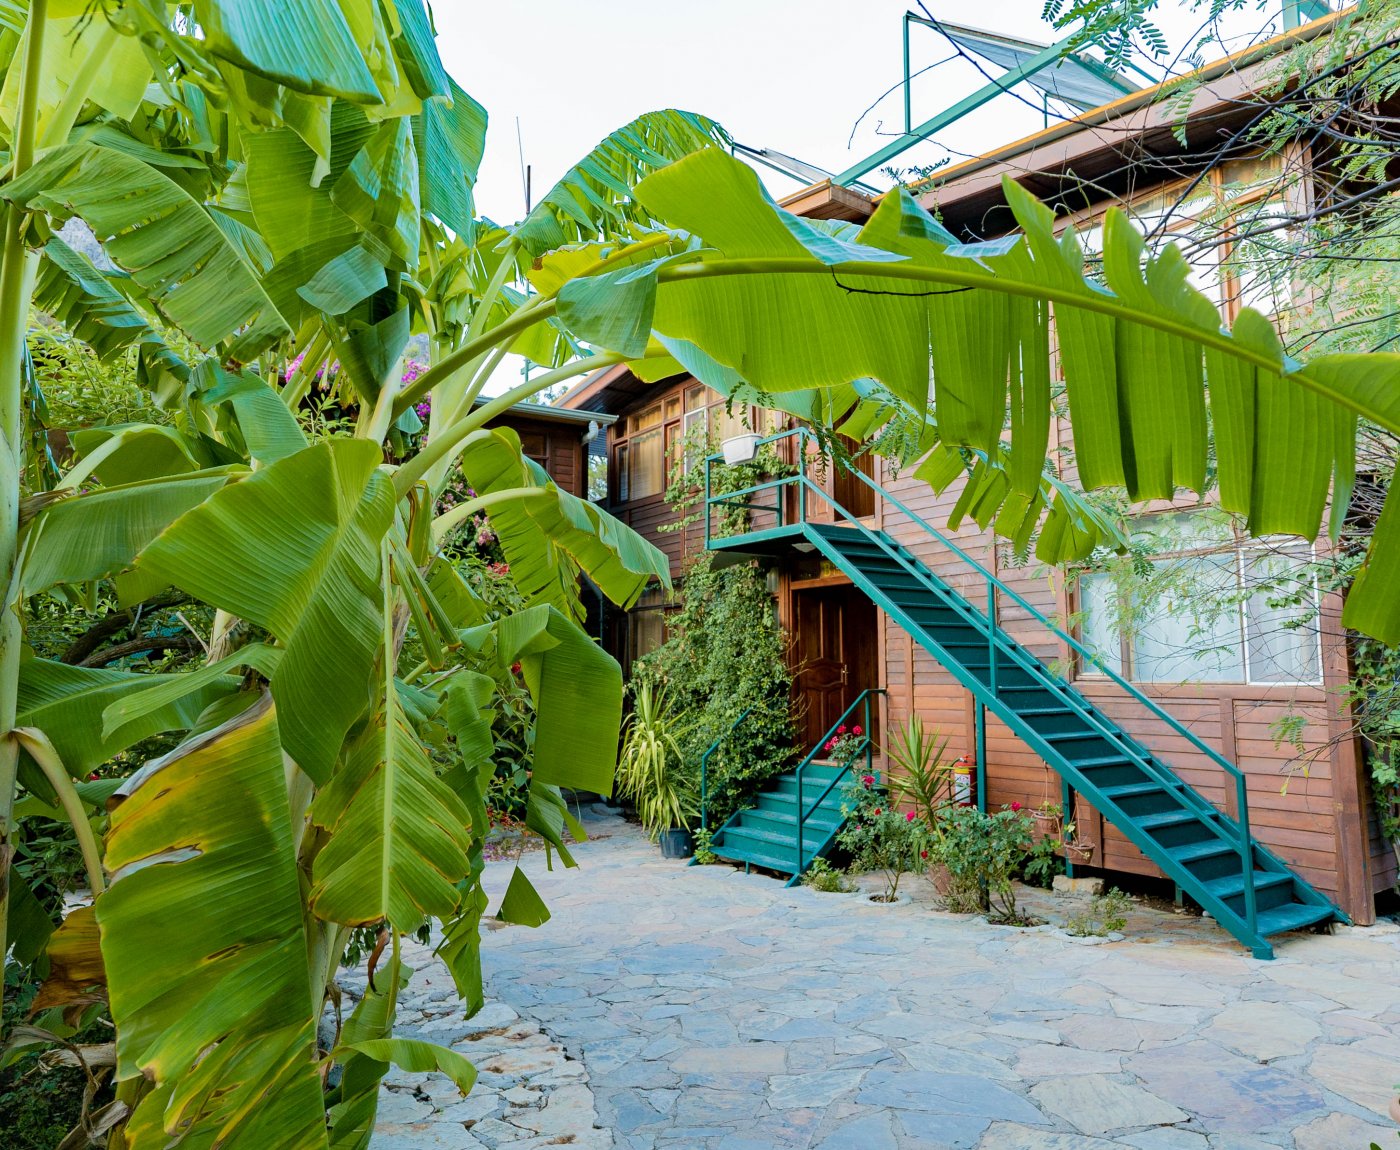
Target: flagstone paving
<point x="674" y="1006"/>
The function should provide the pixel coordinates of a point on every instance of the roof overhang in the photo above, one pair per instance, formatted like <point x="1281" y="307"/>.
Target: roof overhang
<point x="1118" y="140"/>
<point x="551" y="413"/>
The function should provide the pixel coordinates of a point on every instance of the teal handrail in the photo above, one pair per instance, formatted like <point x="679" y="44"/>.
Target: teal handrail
<point x="705" y="765"/>
<point x="1241" y="840"/>
<point x="865" y="746"/>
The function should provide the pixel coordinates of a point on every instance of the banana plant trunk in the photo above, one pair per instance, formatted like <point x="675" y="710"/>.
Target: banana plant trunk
<point x="17" y="268"/>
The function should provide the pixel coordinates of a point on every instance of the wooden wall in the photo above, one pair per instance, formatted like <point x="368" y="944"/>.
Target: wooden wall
<point x="1307" y="803"/>
<point x="558" y="447"/>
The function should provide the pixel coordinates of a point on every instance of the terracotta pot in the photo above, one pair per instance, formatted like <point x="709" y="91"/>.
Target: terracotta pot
<point x="938" y="875"/>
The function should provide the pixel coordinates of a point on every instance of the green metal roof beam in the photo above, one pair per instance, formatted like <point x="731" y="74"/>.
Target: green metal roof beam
<point x="951" y="115"/>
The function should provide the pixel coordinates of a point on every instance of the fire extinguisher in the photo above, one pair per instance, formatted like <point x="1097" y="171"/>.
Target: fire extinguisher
<point x="963" y="771"/>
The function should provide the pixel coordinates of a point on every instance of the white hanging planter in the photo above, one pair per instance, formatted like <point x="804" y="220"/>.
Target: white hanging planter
<point x="740" y="448"/>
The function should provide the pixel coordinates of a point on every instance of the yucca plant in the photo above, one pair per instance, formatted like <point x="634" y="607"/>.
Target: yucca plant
<point x="652" y="771"/>
<point x="923" y="776"/>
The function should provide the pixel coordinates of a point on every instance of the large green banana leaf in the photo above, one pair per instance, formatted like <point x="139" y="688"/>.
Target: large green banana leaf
<point x="399" y="835"/>
<point x="85" y="537"/>
<point x="577" y="688"/>
<point x="450" y="140"/>
<point x="67" y="703"/>
<point x="206" y="956"/>
<point x="298" y="547"/>
<point x="550" y="537"/>
<point x="70" y="289"/>
<point x="787" y="310"/>
<point x="153" y="229"/>
<point x="595" y="197"/>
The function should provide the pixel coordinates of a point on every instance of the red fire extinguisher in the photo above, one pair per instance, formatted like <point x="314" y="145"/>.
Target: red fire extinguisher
<point x="963" y="771"/>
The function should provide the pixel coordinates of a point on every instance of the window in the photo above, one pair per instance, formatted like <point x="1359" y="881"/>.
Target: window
<point x="1207" y="605"/>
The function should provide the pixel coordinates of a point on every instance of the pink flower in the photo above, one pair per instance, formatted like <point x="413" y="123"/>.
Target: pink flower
<point x="909" y="816"/>
<point x="857" y="731"/>
<point x="831" y="744"/>
<point x="1015" y="806"/>
<point x="868" y="780"/>
<point x="841" y="730"/>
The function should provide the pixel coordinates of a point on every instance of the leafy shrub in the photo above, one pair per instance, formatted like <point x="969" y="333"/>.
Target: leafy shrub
<point x="1105" y="914"/>
<point x="983" y="854"/>
<point x="727" y="653"/>
<point x="704" y="852"/>
<point x="652" y="771"/>
<point x="879" y="836"/>
<point x="822" y="876"/>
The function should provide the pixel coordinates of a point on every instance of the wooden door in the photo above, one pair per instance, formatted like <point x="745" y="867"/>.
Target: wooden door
<point x="834" y="629"/>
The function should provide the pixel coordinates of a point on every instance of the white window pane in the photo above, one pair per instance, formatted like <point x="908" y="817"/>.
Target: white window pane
<point x="1192" y="633"/>
<point x="1281" y="618"/>
<point x="1098" y="628"/>
<point x="1183" y="531"/>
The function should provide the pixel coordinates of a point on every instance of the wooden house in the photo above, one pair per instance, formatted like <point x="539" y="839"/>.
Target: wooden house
<point x="1268" y="700"/>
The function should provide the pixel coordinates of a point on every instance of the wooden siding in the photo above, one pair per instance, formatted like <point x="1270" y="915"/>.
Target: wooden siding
<point x="557" y="447"/>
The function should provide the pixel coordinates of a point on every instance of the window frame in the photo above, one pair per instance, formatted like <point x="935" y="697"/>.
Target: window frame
<point x="1240" y="548"/>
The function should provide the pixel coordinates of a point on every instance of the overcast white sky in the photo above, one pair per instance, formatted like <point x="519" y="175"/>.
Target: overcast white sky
<point x="794" y="77"/>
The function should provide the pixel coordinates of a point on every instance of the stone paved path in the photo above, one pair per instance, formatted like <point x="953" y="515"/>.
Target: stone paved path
<point x="700" y="1007"/>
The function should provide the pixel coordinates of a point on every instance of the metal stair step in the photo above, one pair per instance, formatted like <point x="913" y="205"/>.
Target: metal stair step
<point x="1233" y="884"/>
<point x="1131" y="790"/>
<point x="1194" y="852"/>
<point x="777" y="843"/>
<point x="1291" y="916"/>
<point x="736" y="853"/>
<point x="1161" y="819"/>
<point x="783" y="827"/>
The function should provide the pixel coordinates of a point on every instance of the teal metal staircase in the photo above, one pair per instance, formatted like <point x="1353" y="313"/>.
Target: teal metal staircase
<point x="1208" y="853"/>
<point x="796" y="817"/>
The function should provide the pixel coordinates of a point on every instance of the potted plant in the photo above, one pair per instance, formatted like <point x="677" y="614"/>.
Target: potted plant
<point x="653" y="774"/>
<point x="740" y="448"/>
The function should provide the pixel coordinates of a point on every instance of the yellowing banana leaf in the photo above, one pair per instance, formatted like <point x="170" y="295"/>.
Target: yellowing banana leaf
<point x="76" y="974"/>
<point x="152" y="228"/>
<point x="298" y="547"/>
<point x="204" y="875"/>
<point x="398" y="834"/>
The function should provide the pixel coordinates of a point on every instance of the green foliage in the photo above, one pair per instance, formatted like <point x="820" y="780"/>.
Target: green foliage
<point x="923" y="775"/>
<point x="983" y="855"/>
<point x="726" y="653"/>
<point x="1105" y="914"/>
<point x="652" y="772"/>
<point x="879" y="836"/>
<point x="704" y="850"/>
<point x="822" y="876"/>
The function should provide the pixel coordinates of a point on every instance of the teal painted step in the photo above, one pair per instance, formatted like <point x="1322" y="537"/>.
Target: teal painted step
<point x="1192" y="841"/>
<point x="765" y="835"/>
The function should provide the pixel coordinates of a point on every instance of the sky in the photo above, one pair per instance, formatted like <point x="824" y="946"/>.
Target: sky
<point x="800" y="78"/>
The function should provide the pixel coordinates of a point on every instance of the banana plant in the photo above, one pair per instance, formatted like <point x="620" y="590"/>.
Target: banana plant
<point x="283" y="188"/>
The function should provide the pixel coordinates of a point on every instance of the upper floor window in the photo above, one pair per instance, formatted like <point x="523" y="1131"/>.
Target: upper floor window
<point x="1232" y="227"/>
<point x="648" y="442"/>
<point x="1201" y="602"/>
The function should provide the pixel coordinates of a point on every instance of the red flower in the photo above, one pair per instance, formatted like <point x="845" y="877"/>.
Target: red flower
<point x="923" y="854"/>
<point x="868" y="780"/>
<point x="1015" y="806"/>
<point x="857" y="731"/>
<point x="515" y="668"/>
<point x="909" y="816"/>
<point x="841" y="730"/>
<point x="878" y="811"/>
